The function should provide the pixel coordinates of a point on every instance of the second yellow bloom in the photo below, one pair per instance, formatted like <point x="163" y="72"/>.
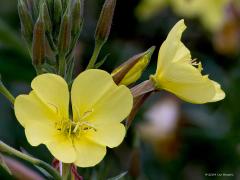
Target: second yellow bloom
<point x="179" y="74"/>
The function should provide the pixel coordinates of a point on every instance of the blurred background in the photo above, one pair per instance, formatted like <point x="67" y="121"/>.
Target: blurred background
<point x="169" y="139"/>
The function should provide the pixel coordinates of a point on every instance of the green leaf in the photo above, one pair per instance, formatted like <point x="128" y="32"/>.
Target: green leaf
<point x="119" y="177"/>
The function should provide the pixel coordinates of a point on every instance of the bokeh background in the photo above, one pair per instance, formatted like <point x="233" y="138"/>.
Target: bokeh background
<point x="169" y="139"/>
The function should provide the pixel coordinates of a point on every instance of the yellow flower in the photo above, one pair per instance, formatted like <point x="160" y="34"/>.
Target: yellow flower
<point x="98" y="107"/>
<point x="179" y="74"/>
<point x="148" y="8"/>
<point x="210" y="12"/>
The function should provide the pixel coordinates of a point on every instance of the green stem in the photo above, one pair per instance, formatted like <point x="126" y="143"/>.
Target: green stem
<point x="4" y="148"/>
<point x="51" y="42"/>
<point x="4" y="91"/>
<point x="38" y="70"/>
<point x="66" y="171"/>
<point x="97" y="49"/>
<point x="62" y="66"/>
<point x="72" y="46"/>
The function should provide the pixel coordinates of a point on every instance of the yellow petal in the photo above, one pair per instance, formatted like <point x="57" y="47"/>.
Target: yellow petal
<point x="172" y="49"/>
<point x="186" y="82"/>
<point x="29" y="109"/>
<point x="61" y="147"/>
<point x="110" y="135"/>
<point x="94" y="90"/>
<point x="88" y="88"/>
<point x="114" y="106"/>
<point x="88" y="153"/>
<point x="40" y="133"/>
<point x="219" y="92"/>
<point x="53" y="90"/>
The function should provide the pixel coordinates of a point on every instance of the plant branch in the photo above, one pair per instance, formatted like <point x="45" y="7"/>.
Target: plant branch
<point x="4" y="91"/>
<point x="4" y="148"/>
<point x="97" y="49"/>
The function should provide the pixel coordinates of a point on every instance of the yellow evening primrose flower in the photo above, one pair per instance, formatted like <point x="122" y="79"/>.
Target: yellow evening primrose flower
<point x="98" y="105"/>
<point x="210" y="12"/>
<point x="179" y="74"/>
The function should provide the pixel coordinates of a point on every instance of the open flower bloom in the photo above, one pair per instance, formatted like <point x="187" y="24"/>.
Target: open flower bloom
<point x="98" y="107"/>
<point x="179" y="74"/>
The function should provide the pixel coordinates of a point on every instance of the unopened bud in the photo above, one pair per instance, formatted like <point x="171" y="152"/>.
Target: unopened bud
<point x="64" y="4"/>
<point x="32" y="6"/>
<point x="77" y="17"/>
<point x="38" y="49"/>
<point x="26" y="21"/>
<point x="105" y="21"/>
<point x="47" y="19"/>
<point x="130" y="71"/>
<point x="64" y="38"/>
<point x="57" y="14"/>
<point x="50" y="4"/>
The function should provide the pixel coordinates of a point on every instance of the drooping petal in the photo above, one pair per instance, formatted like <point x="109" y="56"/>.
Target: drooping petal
<point x="29" y="109"/>
<point x="186" y="82"/>
<point x="172" y="49"/>
<point x="61" y="147"/>
<point x="110" y="135"/>
<point x="88" y="153"/>
<point x="95" y="91"/>
<point x="53" y="90"/>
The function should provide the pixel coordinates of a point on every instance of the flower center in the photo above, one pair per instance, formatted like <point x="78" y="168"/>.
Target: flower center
<point x="75" y="128"/>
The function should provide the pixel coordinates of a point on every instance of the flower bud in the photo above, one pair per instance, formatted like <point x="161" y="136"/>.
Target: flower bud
<point x="130" y="71"/>
<point x="57" y="14"/>
<point x="47" y="19"/>
<point x="65" y="3"/>
<point x="26" y="21"/>
<point x="50" y="5"/>
<point x="77" y="16"/>
<point x="32" y="6"/>
<point x="105" y="21"/>
<point x="64" y="37"/>
<point x="38" y="47"/>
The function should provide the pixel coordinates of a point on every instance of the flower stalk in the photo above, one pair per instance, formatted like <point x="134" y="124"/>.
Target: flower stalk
<point x="97" y="49"/>
<point x="4" y="91"/>
<point x="26" y="21"/>
<point x="102" y="30"/>
<point x="4" y="148"/>
<point x="140" y="94"/>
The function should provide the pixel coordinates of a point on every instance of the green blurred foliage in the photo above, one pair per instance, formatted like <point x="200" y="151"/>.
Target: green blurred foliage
<point x="209" y="138"/>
